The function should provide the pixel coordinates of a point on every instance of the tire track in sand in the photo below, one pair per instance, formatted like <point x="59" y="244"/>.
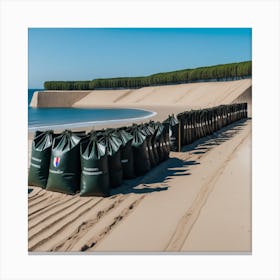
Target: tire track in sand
<point x="49" y="206"/>
<point x="85" y="228"/>
<point x="56" y="219"/>
<point x="106" y="226"/>
<point x="50" y="238"/>
<point x="35" y="191"/>
<point x="40" y="218"/>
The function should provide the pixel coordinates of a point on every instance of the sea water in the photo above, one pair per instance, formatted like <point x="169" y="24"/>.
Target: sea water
<point x="63" y="118"/>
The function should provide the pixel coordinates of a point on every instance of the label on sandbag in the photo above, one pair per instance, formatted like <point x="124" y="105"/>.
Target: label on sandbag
<point x="92" y="173"/>
<point x="124" y="160"/>
<point x="56" y="171"/>
<point x="36" y="159"/>
<point x="56" y="161"/>
<point x="35" y="165"/>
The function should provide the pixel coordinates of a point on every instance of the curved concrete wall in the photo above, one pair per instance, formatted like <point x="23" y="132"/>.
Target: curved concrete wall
<point x="57" y="98"/>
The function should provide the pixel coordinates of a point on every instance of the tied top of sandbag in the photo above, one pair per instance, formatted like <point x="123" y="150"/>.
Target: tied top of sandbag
<point x="172" y="120"/>
<point x="148" y="129"/>
<point x="181" y="116"/>
<point x="138" y="136"/>
<point x="123" y="135"/>
<point x="159" y="128"/>
<point x="42" y="140"/>
<point x="66" y="141"/>
<point x="93" y="149"/>
<point x="111" y="141"/>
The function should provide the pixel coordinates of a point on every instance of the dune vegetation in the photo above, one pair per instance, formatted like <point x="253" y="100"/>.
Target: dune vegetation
<point x="222" y="72"/>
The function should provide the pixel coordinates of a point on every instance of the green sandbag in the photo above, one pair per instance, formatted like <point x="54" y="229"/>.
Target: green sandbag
<point x="127" y="159"/>
<point x="65" y="167"/>
<point x="183" y="128"/>
<point x="166" y="136"/>
<point x="40" y="158"/>
<point x="174" y="126"/>
<point x="159" y="141"/>
<point x="140" y="152"/>
<point x="150" y="137"/>
<point x="154" y="143"/>
<point x="188" y="127"/>
<point x="113" y="145"/>
<point x="94" y="165"/>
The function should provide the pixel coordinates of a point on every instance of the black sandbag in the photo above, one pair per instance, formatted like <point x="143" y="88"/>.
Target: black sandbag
<point x="150" y="137"/>
<point x="98" y="133"/>
<point x="127" y="160"/>
<point x="160" y="140"/>
<point x="65" y="167"/>
<point x="210" y="120"/>
<point x="113" y="145"/>
<point x="94" y="165"/>
<point x="174" y="126"/>
<point x="203" y="122"/>
<point x="246" y="110"/>
<point x="140" y="152"/>
<point x="193" y="125"/>
<point x="166" y="135"/>
<point x="154" y="143"/>
<point x="188" y="127"/>
<point x="183" y="128"/>
<point x="40" y="158"/>
<point x="197" y="124"/>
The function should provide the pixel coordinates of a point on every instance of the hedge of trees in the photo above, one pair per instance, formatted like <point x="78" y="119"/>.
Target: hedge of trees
<point x="221" y="72"/>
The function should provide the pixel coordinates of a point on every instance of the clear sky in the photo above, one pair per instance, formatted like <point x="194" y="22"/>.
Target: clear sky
<point x="89" y="53"/>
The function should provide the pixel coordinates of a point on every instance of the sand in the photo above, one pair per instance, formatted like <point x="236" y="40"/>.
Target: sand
<point x="197" y="201"/>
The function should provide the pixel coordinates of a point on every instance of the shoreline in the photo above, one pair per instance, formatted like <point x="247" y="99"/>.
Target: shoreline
<point x="78" y="125"/>
<point x="160" y="113"/>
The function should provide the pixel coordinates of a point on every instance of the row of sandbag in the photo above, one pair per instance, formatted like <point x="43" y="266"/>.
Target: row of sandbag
<point x="196" y="124"/>
<point x="94" y="163"/>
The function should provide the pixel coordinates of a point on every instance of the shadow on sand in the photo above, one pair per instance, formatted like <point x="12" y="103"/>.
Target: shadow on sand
<point x="160" y="175"/>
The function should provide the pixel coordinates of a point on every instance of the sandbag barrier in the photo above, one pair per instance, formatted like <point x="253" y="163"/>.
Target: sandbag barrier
<point x="95" y="162"/>
<point x="190" y="126"/>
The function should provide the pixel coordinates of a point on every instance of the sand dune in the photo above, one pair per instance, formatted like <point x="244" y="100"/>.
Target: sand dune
<point x="194" y="95"/>
<point x="199" y="200"/>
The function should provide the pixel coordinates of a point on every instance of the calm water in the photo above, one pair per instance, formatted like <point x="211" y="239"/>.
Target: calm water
<point x="44" y="118"/>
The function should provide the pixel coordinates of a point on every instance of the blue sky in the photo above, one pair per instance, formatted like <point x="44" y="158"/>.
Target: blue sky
<point x="89" y="53"/>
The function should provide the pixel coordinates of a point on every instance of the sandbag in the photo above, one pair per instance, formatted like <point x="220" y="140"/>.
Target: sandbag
<point x="160" y="140"/>
<point x="174" y="126"/>
<point x="154" y="143"/>
<point x="140" y="152"/>
<point x="188" y="127"/>
<point x="113" y="145"/>
<point x="65" y="167"/>
<point x="127" y="160"/>
<point x="40" y="158"/>
<point x="166" y="135"/>
<point x="150" y="138"/>
<point x="94" y="166"/>
<point x="183" y="128"/>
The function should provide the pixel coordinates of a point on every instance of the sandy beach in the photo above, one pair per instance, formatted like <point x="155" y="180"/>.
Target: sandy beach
<point x="199" y="200"/>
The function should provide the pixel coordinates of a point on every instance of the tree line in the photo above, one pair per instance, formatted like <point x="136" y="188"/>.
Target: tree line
<point x="220" y="72"/>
